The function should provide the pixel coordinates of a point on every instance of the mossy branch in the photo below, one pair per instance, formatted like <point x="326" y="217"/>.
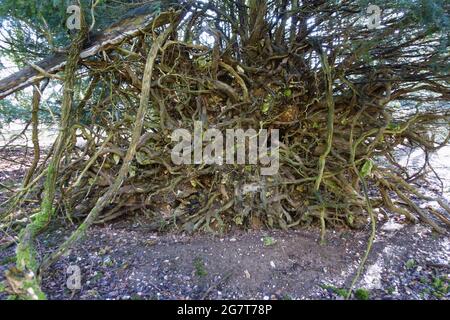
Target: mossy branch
<point x="25" y="253"/>
<point x="104" y="200"/>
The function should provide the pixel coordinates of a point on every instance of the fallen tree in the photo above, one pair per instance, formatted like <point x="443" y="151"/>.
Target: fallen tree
<point x="308" y="68"/>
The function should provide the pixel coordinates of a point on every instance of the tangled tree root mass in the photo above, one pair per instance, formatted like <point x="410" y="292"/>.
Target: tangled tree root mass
<point x="344" y="98"/>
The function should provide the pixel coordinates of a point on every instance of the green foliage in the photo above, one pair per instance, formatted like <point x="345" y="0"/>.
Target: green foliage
<point x="7" y="260"/>
<point x="440" y="286"/>
<point x="342" y="292"/>
<point x="366" y="170"/>
<point x="437" y="286"/>
<point x="9" y="112"/>
<point x="26" y="23"/>
<point x="20" y="110"/>
<point x="108" y="262"/>
<point x="269" y="241"/>
<point x="288" y="93"/>
<point x="35" y="27"/>
<point x="199" y="267"/>
<point x="362" y="294"/>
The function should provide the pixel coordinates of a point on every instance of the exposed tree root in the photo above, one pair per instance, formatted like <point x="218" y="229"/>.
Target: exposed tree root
<point x="339" y="118"/>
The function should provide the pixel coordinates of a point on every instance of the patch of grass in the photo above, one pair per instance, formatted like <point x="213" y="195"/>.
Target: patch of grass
<point x="440" y="286"/>
<point x="103" y="251"/>
<point x="269" y="241"/>
<point x="2" y="287"/>
<point x="199" y="266"/>
<point x="362" y="294"/>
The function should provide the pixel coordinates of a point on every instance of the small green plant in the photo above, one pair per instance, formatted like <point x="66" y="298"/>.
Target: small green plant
<point x="269" y="241"/>
<point x="108" y="262"/>
<point x="440" y="286"/>
<point x="342" y="292"/>
<point x="7" y="260"/>
<point x="362" y="294"/>
<point x="103" y="251"/>
<point x="286" y="297"/>
<point x="410" y="264"/>
<point x="97" y="277"/>
<point x="199" y="266"/>
<point x="425" y="292"/>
